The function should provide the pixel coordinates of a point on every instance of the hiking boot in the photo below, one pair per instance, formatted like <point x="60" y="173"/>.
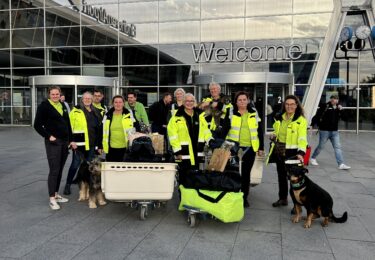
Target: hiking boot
<point x="280" y="203"/>
<point x="67" y="190"/>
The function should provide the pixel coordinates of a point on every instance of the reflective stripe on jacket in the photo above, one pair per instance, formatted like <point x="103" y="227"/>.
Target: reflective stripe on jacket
<point x="235" y="128"/>
<point x="180" y="140"/>
<point x="127" y="124"/>
<point x="79" y="128"/>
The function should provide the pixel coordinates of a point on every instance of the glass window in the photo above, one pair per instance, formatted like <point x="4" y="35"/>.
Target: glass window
<point x="98" y="35"/>
<point x="21" y="115"/>
<point x="5" y="106"/>
<point x="367" y="119"/>
<point x="367" y="96"/>
<point x="24" y="38"/>
<point x="100" y="55"/>
<point x="4" y="39"/>
<point x="53" y="19"/>
<point x="179" y="10"/>
<point x="177" y="53"/>
<point x="145" y="12"/>
<point x="147" y="96"/>
<point x="65" y="71"/>
<point x="21" y="76"/>
<point x="222" y="30"/>
<point x="28" y="57"/>
<point x="27" y="18"/>
<point x="367" y="72"/>
<point x="268" y="7"/>
<point x="4" y="59"/>
<point x="4" y="4"/>
<point x="175" y="75"/>
<point x="140" y="76"/>
<point x="310" y="25"/>
<point x="64" y="57"/>
<point x="139" y="55"/>
<point x="300" y="6"/>
<point x="268" y="27"/>
<point x="5" y="77"/>
<point x="62" y="36"/>
<point x="4" y="19"/>
<point x="218" y="68"/>
<point x="175" y="32"/>
<point x="222" y="8"/>
<point x="256" y="67"/>
<point x="303" y="72"/>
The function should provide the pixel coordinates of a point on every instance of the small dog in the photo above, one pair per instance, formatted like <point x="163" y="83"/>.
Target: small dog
<point x="89" y="180"/>
<point x="316" y="200"/>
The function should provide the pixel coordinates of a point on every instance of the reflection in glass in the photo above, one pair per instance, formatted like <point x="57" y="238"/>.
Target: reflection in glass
<point x="222" y="30"/>
<point x="28" y="57"/>
<point x="54" y="20"/>
<point x="4" y="19"/>
<point x="100" y="55"/>
<point x="21" y="76"/>
<point x="98" y="35"/>
<point x="175" y="75"/>
<point x="146" y="33"/>
<point x="4" y="4"/>
<point x="218" y="68"/>
<point x="175" y="32"/>
<point x="65" y="71"/>
<point x="367" y="119"/>
<point x="268" y="7"/>
<point x="5" y="77"/>
<point x="268" y="27"/>
<point x="4" y="59"/>
<point x="64" y="57"/>
<point x="27" y="18"/>
<point x="62" y="36"/>
<point x="303" y="72"/>
<point x="23" y="38"/>
<point x="177" y="53"/>
<point x="179" y="10"/>
<point x="140" y="76"/>
<point x="139" y="55"/>
<point x="310" y="25"/>
<point x="222" y="8"/>
<point x="300" y="6"/>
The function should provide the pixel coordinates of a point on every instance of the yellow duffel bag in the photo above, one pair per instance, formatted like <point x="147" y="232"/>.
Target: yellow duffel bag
<point x="225" y="206"/>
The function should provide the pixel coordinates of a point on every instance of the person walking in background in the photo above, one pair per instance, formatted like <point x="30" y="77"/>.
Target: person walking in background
<point x="158" y="113"/>
<point x="290" y="137"/>
<point x="97" y="101"/>
<point x="327" y="119"/>
<point x="188" y="133"/>
<point x="52" y="123"/>
<point x="246" y="131"/>
<point x="137" y="108"/>
<point x="87" y="129"/>
<point x="117" y="122"/>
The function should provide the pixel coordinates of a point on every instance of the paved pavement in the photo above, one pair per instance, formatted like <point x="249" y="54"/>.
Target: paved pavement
<point x="30" y="230"/>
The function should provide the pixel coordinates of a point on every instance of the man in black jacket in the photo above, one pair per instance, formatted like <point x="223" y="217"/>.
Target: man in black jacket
<point x="52" y="123"/>
<point x="327" y="119"/>
<point x="158" y="114"/>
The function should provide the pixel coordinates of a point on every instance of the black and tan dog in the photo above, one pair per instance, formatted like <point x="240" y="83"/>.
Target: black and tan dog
<point x="89" y="181"/>
<point x="317" y="201"/>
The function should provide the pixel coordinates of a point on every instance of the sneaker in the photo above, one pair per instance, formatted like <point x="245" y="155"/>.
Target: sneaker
<point x="60" y="199"/>
<point x="344" y="167"/>
<point x="314" y="162"/>
<point x="53" y="204"/>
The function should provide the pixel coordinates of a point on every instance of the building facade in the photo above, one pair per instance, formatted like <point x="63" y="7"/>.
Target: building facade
<point x="269" y="48"/>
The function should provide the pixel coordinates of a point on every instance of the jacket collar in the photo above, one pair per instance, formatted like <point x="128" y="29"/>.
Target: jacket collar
<point x="250" y="108"/>
<point x="181" y="111"/>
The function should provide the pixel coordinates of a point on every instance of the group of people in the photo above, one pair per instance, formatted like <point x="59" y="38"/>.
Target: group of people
<point x="91" y="128"/>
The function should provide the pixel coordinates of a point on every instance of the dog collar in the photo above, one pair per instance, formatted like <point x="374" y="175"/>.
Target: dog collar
<point x="298" y="185"/>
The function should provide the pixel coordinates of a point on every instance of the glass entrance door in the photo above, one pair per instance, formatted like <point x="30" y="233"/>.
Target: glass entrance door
<point x="275" y="97"/>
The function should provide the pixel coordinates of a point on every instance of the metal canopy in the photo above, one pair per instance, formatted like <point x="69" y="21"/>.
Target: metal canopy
<point x="245" y="77"/>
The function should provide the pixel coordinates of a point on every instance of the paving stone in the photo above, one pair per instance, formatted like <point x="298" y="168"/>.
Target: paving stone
<point x="206" y="250"/>
<point x="53" y="250"/>
<point x="360" y="201"/>
<point x="305" y="255"/>
<point x="216" y="231"/>
<point x="348" y="250"/>
<point x="366" y="217"/>
<point x="262" y="221"/>
<point x="257" y="245"/>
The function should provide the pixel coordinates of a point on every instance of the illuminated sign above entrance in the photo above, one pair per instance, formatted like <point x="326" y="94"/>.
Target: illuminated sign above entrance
<point x="208" y="52"/>
<point x="100" y="14"/>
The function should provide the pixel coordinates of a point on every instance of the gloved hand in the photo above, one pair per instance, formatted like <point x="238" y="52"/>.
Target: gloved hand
<point x="234" y="149"/>
<point x="212" y="144"/>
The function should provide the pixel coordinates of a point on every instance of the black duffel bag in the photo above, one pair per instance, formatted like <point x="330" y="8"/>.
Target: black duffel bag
<point x="213" y="180"/>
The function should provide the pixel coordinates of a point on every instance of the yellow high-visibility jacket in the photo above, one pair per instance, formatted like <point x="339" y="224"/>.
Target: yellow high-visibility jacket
<point x="127" y="124"/>
<point x="179" y="138"/>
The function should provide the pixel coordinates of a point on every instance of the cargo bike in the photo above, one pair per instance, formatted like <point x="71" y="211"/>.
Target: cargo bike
<point x="141" y="185"/>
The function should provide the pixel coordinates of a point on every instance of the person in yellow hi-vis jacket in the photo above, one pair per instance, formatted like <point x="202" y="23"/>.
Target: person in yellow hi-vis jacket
<point x="86" y="122"/>
<point x="116" y="124"/>
<point x="290" y="140"/>
<point x="188" y="133"/>
<point x="246" y="131"/>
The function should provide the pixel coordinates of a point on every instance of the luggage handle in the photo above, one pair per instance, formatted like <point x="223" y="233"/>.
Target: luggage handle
<point x="137" y="168"/>
<point x="208" y="198"/>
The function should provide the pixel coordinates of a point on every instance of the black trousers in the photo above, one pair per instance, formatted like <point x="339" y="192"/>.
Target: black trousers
<point x="57" y="153"/>
<point x="115" y="154"/>
<point x="248" y="159"/>
<point x="282" y="177"/>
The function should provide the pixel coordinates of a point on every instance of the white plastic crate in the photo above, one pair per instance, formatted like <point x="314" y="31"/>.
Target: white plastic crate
<point x="125" y="181"/>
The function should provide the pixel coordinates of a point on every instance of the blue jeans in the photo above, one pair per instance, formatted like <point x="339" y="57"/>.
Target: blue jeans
<point x="334" y="137"/>
<point x="76" y="162"/>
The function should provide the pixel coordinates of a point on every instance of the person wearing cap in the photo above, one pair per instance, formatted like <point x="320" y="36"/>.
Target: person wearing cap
<point x="327" y="120"/>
